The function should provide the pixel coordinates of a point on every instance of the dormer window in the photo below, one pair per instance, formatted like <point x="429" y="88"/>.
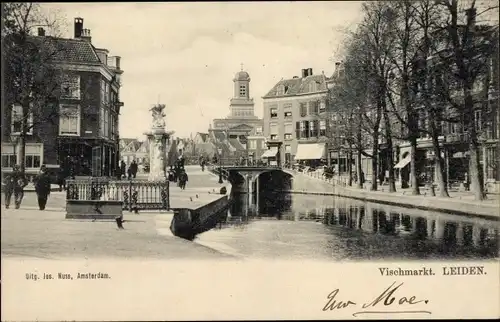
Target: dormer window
<point x="312" y="86"/>
<point x="281" y="90"/>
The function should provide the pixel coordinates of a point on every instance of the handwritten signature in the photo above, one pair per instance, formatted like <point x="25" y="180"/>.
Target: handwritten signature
<point x="382" y="304"/>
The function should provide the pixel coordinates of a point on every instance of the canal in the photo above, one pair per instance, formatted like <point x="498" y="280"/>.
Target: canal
<point x="285" y="226"/>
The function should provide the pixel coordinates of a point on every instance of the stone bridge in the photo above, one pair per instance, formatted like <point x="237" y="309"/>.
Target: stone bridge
<point x="255" y="179"/>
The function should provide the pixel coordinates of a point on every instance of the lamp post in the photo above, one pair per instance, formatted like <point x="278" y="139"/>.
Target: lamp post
<point x="220" y="164"/>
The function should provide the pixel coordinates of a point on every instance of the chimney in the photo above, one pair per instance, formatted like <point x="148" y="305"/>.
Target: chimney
<point x="86" y="35"/>
<point x="309" y="72"/>
<point x="471" y="16"/>
<point x="304" y="73"/>
<point x="41" y="31"/>
<point x="78" y="27"/>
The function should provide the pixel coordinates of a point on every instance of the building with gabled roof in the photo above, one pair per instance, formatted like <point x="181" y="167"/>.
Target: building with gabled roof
<point x="296" y="118"/>
<point x="84" y="140"/>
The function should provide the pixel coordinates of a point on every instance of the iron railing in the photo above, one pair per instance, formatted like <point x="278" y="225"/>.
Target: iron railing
<point x="135" y="194"/>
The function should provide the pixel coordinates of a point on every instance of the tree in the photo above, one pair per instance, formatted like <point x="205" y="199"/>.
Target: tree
<point x="350" y="96"/>
<point x="31" y="80"/>
<point x="470" y="50"/>
<point x="378" y="35"/>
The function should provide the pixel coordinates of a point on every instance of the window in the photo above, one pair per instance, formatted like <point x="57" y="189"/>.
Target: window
<point x="491" y="163"/>
<point x="273" y="129"/>
<point x="258" y="130"/>
<point x="274" y="136"/>
<point x="32" y="161"/>
<point x="69" y="119"/>
<point x="280" y="90"/>
<point x="243" y="91"/>
<point x="17" y="118"/>
<point x="70" y="87"/>
<point x="322" y="128"/>
<point x="252" y="144"/>
<point x="288" y="148"/>
<point x="313" y="128"/>
<point x="105" y="92"/>
<point x="478" y="120"/>
<point x="322" y="106"/>
<point x="288" y="113"/>
<point x="303" y="109"/>
<point x="263" y="144"/>
<point x="288" y="131"/>
<point x="8" y="160"/>
<point x="453" y="128"/>
<point x="313" y="108"/>
<point x="304" y="129"/>
<point x="274" y="112"/>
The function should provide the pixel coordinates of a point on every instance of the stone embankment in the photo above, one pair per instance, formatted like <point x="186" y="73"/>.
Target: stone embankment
<point x="459" y="202"/>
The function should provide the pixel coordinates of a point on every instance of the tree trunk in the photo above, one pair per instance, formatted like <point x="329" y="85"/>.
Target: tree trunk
<point x="475" y="173"/>
<point x="374" y="185"/>
<point x="359" y="170"/>
<point x="439" y="165"/>
<point x="390" y="153"/>
<point x="349" y="155"/>
<point x="415" y="190"/>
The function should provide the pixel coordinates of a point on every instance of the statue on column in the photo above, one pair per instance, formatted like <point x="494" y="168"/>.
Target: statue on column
<point x="158" y="115"/>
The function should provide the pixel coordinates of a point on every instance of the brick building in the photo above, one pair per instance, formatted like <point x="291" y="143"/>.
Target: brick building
<point x="85" y="137"/>
<point x="295" y="118"/>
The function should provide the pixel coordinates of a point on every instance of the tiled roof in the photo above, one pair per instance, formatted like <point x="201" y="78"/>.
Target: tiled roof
<point x="69" y="50"/>
<point x="297" y="86"/>
<point x="237" y="144"/>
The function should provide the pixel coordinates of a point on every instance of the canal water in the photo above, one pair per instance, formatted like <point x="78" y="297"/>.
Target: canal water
<point x="295" y="226"/>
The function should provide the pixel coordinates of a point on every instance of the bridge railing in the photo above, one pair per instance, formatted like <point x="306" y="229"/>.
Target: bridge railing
<point x="135" y="194"/>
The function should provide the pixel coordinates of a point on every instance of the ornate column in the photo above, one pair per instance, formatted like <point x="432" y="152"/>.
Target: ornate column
<point x="158" y="139"/>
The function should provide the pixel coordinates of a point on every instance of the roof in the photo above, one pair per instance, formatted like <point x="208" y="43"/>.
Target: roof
<point x="204" y="136"/>
<point x="298" y="86"/>
<point x="69" y="50"/>
<point x="236" y="144"/>
<point x="242" y="75"/>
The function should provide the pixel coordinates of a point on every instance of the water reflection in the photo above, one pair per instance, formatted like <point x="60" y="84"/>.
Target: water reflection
<point x="349" y="229"/>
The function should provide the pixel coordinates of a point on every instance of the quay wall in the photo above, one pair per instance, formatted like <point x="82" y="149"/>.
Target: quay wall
<point x="306" y="184"/>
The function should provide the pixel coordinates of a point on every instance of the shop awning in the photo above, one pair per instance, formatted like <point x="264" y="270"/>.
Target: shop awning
<point x="311" y="151"/>
<point x="270" y="153"/>
<point x="403" y="162"/>
<point x="458" y="155"/>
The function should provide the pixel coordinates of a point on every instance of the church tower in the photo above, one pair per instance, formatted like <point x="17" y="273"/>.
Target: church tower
<point x="241" y="105"/>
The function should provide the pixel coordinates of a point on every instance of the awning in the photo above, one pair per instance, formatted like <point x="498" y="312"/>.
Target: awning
<point x="403" y="163"/>
<point x="311" y="151"/>
<point x="270" y="153"/>
<point x="458" y="155"/>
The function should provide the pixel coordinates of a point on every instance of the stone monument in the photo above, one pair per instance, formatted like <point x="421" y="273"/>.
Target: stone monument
<point x="158" y="140"/>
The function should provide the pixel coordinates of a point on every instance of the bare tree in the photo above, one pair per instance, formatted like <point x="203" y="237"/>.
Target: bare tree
<point x="378" y="34"/>
<point x="353" y="120"/>
<point x="31" y="80"/>
<point x="470" y="50"/>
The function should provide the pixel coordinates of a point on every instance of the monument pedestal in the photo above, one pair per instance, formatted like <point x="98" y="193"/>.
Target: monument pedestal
<point x="158" y="145"/>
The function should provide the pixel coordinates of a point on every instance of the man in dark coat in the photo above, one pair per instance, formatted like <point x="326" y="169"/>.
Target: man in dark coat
<point x="133" y="168"/>
<point x="15" y="183"/>
<point x="183" y="178"/>
<point x="42" y="187"/>
<point x="122" y="169"/>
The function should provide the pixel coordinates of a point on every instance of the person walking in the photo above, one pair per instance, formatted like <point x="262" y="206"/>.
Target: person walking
<point x="15" y="184"/>
<point x="133" y="169"/>
<point x="123" y="167"/>
<point x="42" y="187"/>
<point x="183" y="178"/>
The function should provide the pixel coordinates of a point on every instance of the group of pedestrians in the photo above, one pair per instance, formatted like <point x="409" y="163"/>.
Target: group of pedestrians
<point x="130" y="173"/>
<point x="16" y="181"/>
<point x="177" y="172"/>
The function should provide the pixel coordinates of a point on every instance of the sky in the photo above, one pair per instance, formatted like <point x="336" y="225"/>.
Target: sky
<point x="185" y="55"/>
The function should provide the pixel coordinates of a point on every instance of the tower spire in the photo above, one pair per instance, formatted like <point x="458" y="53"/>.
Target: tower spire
<point x="241" y="66"/>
